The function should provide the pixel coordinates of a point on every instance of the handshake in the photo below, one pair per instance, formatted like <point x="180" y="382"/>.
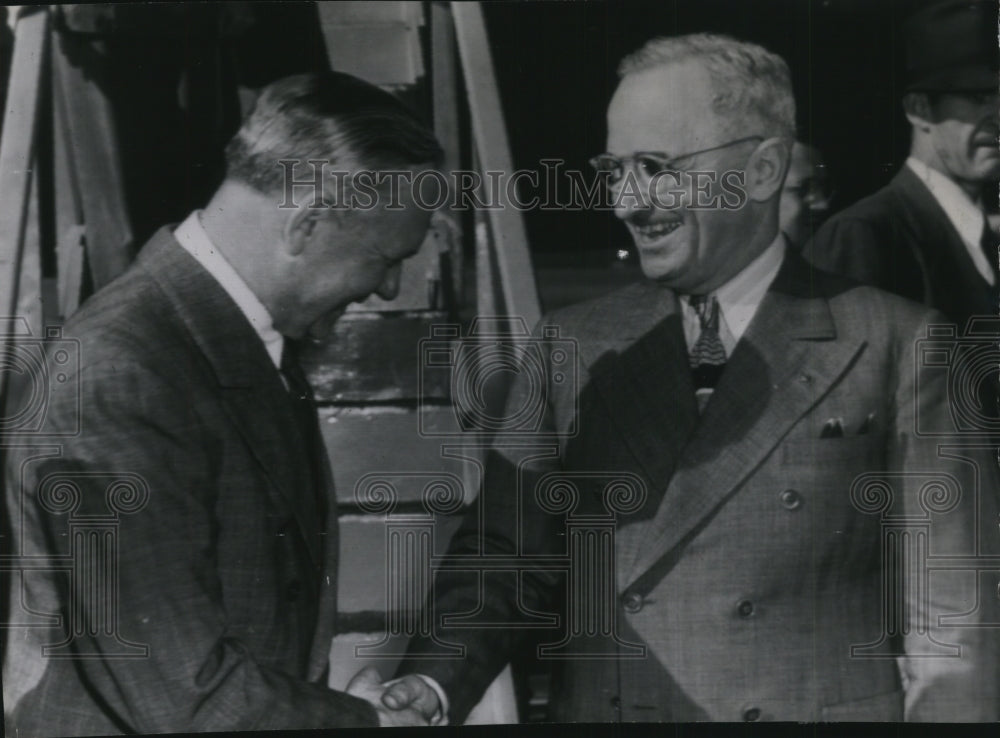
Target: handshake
<point x="409" y="700"/>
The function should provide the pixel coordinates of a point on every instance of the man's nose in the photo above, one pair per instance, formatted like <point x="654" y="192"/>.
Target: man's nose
<point x="632" y="206"/>
<point x="631" y="200"/>
<point x="390" y="284"/>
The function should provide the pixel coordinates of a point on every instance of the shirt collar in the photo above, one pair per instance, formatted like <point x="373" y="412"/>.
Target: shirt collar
<point x="740" y="297"/>
<point x="965" y="215"/>
<point x="192" y="237"/>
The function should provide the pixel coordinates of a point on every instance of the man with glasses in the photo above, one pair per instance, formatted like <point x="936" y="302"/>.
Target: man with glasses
<point x="749" y="422"/>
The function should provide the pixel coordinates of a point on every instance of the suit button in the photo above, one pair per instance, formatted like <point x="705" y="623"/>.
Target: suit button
<point x="616" y="703"/>
<point x="805" y="379"/>
<point x="293" y="590"/>
<point x="632" y="602"/>
<point x="790" y="499"/>
<point x="751" y="714"/>
<point x="745" y="608"/>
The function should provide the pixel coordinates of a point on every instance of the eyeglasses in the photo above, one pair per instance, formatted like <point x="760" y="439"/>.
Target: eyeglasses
<point x="652" y="163"/>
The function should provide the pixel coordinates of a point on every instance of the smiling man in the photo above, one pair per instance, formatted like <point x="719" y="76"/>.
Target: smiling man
<point x="761" y="416"/>
<point x="190" y="425"/>
<point x="925" y="235"/>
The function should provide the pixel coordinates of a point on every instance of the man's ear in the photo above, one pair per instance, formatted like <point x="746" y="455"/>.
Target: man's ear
<point x="917" y="107"/>
<point x="767" y="168"/>
<point x="299" y="227"/>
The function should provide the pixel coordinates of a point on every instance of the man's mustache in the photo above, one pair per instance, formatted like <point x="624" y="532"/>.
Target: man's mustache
<point x="986" y="133"/>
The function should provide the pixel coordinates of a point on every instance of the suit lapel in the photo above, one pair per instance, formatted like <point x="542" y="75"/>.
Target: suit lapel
<point x="961" y="290"/>
<point x="787" y="360"/>
<point x="269" y="443"/>
<point x="250" y="386"/>
<point x="643" y="376"/>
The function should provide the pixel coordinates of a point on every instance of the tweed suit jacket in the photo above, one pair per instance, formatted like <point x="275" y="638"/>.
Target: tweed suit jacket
<point x="219" y="607"/>
<point x="901" y="240"/>
<point x="750" y="579"/>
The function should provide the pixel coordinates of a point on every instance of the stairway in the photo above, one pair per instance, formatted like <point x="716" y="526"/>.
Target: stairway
<point x="390" y="427"/>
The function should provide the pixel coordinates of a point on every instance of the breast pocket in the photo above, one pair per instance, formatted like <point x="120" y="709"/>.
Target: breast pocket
<point x="864" y="453"/>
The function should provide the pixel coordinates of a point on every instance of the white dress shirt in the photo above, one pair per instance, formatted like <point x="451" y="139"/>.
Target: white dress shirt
<point x="192" y="237"/>
<point x="738" y="298"/>
<point x="965" y="215"/>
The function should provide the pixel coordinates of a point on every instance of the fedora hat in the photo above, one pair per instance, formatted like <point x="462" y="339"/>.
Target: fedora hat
<point x="951" y="45"/>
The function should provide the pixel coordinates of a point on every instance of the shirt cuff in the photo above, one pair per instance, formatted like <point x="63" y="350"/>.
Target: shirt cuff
<point x="441" y="716"/>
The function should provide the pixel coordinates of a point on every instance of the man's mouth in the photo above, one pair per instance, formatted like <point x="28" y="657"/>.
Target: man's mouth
<point x="986" y="138"/>
<point x="655" y="231"/>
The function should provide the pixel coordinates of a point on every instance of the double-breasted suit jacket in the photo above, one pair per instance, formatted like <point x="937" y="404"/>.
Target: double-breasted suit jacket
<point x="755" y="574"/>
<point x="218" y="608"/>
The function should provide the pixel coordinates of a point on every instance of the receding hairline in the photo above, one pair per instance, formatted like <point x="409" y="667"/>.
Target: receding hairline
<point x="331" y="117"/>
<point x="724" y="122"/>
<point x="766" y="93"/>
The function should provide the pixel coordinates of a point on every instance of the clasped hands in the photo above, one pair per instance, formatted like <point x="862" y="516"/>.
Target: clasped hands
<point x="406" y="701"/>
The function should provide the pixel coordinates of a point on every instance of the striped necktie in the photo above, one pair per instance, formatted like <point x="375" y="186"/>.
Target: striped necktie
<point x="708" y="356"/>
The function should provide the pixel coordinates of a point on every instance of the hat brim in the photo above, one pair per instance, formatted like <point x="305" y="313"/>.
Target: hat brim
<point x="959" y="79"/>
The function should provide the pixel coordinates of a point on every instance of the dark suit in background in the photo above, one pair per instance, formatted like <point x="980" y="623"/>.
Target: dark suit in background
<point x="899" y="239"/>
<point x="916" y="236"/>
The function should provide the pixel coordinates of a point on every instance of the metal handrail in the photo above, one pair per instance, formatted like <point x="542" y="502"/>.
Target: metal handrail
<point x="17" y="158"/>
<point x="508" y="238"/>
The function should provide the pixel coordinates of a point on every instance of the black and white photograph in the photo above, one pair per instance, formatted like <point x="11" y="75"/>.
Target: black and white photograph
<point x="570" y="365"/>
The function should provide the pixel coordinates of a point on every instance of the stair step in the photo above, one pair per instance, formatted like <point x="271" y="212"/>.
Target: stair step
<point x="386" y="444"/>
<point x="374" y="357"/>
<point x="357" y="12"/>
<point x="362" y="576"/>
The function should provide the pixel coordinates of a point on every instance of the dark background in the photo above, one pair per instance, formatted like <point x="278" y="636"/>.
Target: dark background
<point x="171" y="71"/>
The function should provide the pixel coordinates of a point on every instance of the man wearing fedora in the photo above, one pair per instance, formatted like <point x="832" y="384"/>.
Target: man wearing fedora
<point x="925" y="235"/>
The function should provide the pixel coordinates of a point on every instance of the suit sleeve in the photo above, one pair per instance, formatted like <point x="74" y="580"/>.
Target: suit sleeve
<point x="850" y="247"/>
<point x="962" y="511"/>
<point x="506" y="520"/>
<point x="197" y="675"/>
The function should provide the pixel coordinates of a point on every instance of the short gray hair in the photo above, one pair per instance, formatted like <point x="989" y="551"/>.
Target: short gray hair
<point x="330" y="117"/>
<point x="749" y="80"/>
